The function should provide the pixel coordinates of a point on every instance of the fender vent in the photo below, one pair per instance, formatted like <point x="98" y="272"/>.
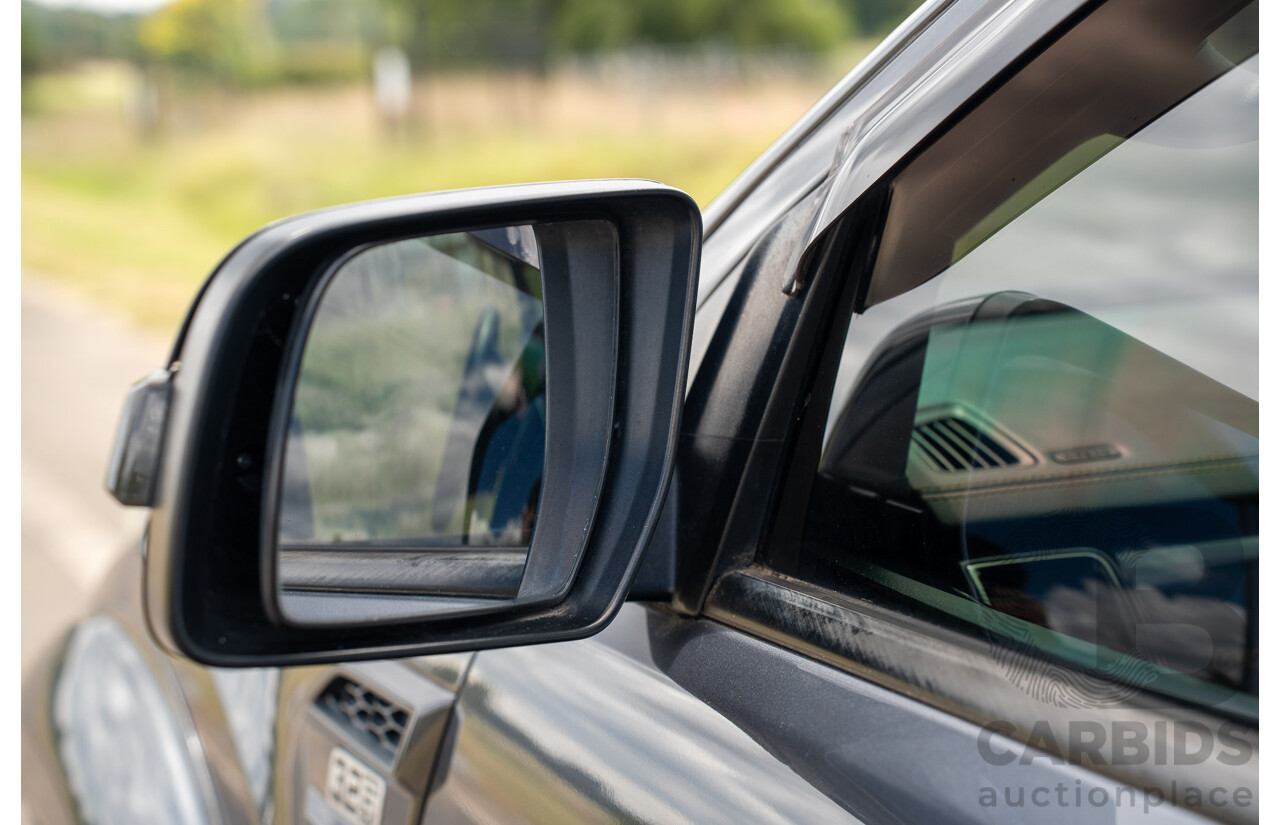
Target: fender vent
<point x="957" y="440"/>
<point x="375" y="722"/>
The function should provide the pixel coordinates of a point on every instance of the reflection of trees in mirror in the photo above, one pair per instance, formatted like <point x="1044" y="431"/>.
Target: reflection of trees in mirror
<point x="418" y="410"/>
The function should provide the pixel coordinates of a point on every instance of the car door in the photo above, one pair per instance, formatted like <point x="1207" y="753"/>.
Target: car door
<point x="964" y="523"/>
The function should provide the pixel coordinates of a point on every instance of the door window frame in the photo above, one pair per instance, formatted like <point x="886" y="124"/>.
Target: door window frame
<point x="751" y="590"/>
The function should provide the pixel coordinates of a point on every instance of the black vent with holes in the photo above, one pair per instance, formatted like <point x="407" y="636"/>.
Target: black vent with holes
<point x="371" y="719"/>
<point x="953" y="443"/>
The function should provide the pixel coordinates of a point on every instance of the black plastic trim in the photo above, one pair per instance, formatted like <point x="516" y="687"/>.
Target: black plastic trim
<point x="490" y="572"/>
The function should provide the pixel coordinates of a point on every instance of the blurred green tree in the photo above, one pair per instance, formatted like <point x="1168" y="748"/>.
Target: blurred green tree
<point x="226" y="39"/>
<point x="503" y="33"/>
<point x="878" y="17"/>
<point x="58" y="37"/>
<point x="33" y="47"/>
<point x="244" y="42"/>
<point x="809" y="25"/>
<point x="529" y="32"/>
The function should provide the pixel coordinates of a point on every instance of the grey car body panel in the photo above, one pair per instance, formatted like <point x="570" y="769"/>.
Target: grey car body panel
<point x="659" y="718"/>
<point x="666" y="719"/>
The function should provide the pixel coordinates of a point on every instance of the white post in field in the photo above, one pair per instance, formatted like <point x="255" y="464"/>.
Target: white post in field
<point x="392" y="85"/>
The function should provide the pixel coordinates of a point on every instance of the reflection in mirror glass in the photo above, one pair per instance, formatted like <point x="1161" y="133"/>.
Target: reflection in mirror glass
<point x="419" y="408"/>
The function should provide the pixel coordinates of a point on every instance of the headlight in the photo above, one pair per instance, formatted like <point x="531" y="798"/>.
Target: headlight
<point x="124" y="754"/>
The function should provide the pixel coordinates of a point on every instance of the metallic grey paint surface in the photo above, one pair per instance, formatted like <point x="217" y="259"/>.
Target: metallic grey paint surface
<point x="448" y="670"/>
<point x="669" y="720"/>
<point x="594" y="731"/>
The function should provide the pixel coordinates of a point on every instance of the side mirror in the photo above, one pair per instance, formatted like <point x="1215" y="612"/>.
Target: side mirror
<point x="419" y="425"/>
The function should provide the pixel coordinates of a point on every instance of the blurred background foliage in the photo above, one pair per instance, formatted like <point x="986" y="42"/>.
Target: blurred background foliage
<point x="153" y="141"/>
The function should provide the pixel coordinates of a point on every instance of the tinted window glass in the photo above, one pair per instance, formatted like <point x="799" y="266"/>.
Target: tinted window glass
<point x="1055" y="439"/>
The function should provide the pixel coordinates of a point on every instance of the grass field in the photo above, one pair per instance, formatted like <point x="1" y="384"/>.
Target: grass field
<point x="135" y="223"/>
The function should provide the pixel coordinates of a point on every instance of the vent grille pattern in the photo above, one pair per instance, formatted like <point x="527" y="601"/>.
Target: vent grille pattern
<point x="377" y="722"/>
<point x="952" y="443"/>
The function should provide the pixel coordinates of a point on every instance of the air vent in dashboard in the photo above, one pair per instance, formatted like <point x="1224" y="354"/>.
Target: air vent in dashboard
<point x="375" y="722"/>
<point x="951" y="438"/>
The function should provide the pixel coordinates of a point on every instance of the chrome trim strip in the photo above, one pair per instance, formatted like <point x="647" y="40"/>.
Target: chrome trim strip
<point x="882" y="55"/>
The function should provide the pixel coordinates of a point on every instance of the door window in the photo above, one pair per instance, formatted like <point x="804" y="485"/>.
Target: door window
<point x="1044" y="426"/>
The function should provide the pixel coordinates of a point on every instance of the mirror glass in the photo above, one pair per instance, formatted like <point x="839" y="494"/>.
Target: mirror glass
<point x="417" y="428"/>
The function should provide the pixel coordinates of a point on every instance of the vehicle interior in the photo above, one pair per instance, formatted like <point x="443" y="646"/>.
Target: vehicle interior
<point x="1004" y="466"/>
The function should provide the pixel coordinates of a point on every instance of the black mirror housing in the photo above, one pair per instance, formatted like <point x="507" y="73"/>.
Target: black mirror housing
<point x="618" y="326"/>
